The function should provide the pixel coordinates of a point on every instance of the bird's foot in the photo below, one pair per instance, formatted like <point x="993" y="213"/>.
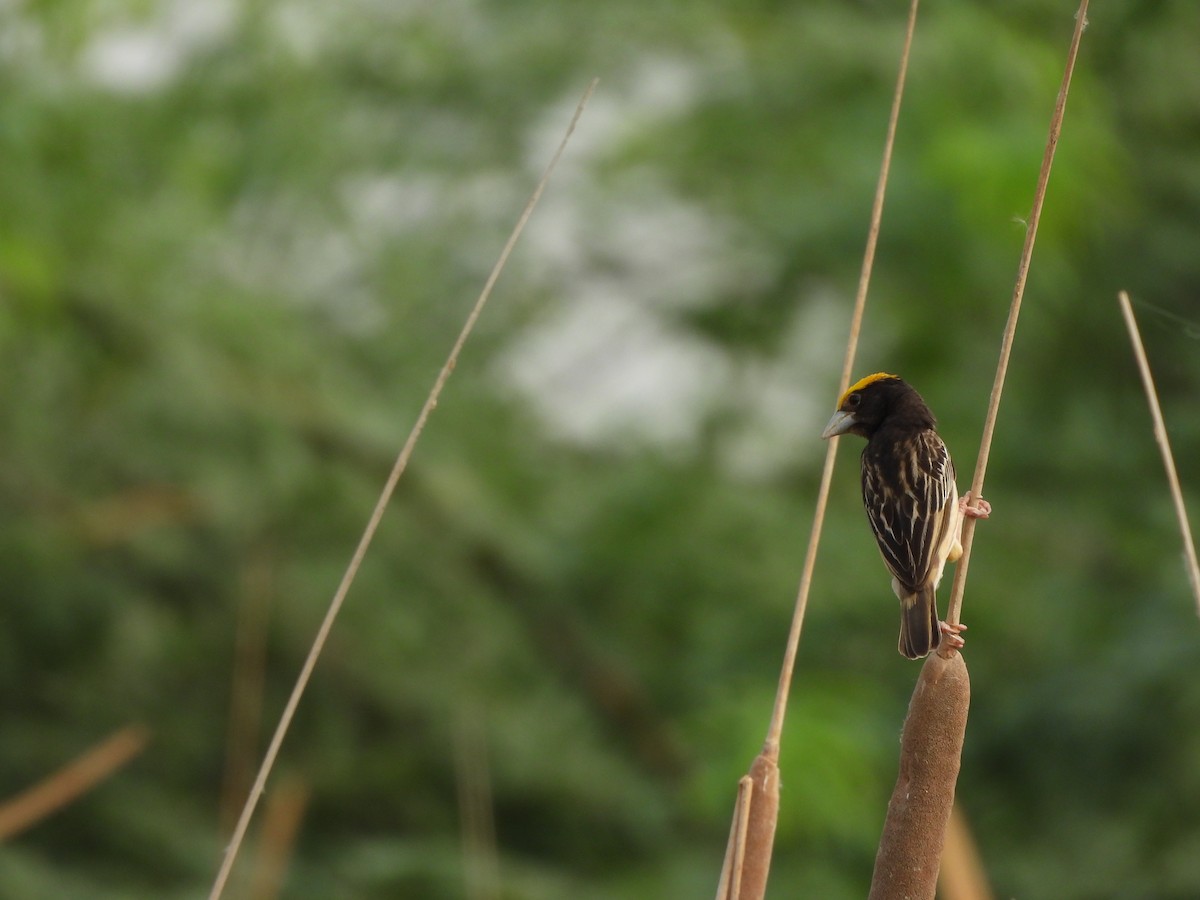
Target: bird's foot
<point x="981" y="510"/>
<point x="952" y="638"/>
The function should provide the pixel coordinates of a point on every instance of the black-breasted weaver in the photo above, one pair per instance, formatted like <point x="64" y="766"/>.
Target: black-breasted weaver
<point x="911" y="500"/>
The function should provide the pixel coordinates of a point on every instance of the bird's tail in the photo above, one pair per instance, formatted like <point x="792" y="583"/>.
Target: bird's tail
<point x="919" y="630"/>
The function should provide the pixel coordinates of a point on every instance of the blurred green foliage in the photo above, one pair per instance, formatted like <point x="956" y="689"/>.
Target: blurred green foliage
<point x="236" y="241"/>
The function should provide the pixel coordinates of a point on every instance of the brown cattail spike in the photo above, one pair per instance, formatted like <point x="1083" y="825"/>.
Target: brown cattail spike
<point x="906" y="866"/>
<point x="748" y="857"/>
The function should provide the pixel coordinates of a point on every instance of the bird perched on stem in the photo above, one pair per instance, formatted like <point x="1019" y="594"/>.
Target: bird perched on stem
<point x="911" y="499"/>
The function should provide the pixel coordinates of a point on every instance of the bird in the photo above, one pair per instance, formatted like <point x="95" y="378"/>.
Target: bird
<point x="911" y="500"/>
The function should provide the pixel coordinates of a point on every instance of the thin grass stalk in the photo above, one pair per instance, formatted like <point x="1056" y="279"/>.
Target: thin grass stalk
<point x="385" y="496"/>
<point x="907" y="863"/>
<point x="61" y="788"/>
<point x="954" y="607"/>
<point x="775" y="729"/>
<point x="730" y="883"/>
<point x="752" y="833"/>
<point x="1164" y="446"/>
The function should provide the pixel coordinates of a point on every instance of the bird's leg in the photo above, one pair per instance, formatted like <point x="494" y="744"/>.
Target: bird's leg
<point x="952" y="635"/>
<point x="981" y="510"/>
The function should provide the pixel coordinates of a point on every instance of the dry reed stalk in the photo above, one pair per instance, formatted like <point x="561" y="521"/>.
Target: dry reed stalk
<point x="962" y="876"/>
<point x="752" y="833"/>
<point x="1164" y="446"/>
<point x="75" y="778"/>
<point x="755" y="813"/>
<point x="729" y="884"/>
<point x="905" y="866"/>
<point x="954" y="608"/>
<point x="385" y="496"/>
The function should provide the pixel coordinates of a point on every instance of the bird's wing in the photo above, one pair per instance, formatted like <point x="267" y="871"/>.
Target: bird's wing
<point x="910" y="504"/>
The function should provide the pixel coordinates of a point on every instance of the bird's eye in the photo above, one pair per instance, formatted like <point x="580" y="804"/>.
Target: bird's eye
<point x="852" y="400"/>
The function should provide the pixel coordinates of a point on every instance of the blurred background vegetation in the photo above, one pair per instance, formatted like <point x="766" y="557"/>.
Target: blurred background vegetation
<point x="236" y="241"/>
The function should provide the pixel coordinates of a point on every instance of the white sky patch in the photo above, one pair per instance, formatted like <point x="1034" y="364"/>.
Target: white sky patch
<point x="604" y="367"/>
<point x="659" y="89"/>
<point x="386" y="205"/>
<point x="146" y="57"/>
<point x="612" y="364"/>
<point x="783" y="397"/>
<point x="667" y="251"/>
<point x="616" y="362"/>
<point x="22" y="38"/>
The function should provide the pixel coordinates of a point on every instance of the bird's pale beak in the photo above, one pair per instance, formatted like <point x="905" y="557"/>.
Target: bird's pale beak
<point x="841" y="422"/>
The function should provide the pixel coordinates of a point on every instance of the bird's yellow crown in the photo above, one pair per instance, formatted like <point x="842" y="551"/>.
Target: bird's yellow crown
<point x="862" y="383"/>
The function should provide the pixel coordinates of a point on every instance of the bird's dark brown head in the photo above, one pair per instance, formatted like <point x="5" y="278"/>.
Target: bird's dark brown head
<point x="874" y="400"/>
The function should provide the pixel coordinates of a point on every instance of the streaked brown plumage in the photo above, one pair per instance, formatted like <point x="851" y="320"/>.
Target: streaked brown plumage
<point x="910" y="497"/>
